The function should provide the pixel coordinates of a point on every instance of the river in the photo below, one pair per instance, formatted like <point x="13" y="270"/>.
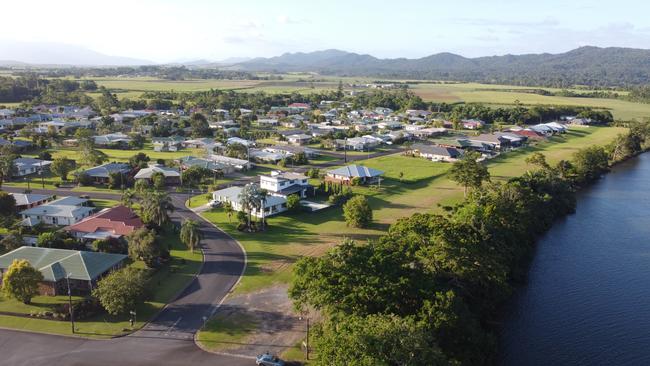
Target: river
<point x="587" y="297"/>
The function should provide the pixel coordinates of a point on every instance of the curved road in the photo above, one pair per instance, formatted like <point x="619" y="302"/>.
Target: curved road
<point x="166" y="340"/>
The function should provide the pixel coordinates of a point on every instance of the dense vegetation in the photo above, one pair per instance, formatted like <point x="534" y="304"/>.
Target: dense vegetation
<point x="428" y="292"/>
<point x="162" y="72"/>
<point x="31" y="87"/>
<point x="592" y="66"/>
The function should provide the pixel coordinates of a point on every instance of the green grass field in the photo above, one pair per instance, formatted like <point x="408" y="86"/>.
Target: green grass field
<point x="164" y="285"/>
<point x="424" y="188"/>
<point x="506" y="95"/>
<point x="226" y="330"/>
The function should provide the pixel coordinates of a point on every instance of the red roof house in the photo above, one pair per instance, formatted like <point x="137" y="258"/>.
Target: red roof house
<point x="114" y="222"/>
<point x="530" y="134"/>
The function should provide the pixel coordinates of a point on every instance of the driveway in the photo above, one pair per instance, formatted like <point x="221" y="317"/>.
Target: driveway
<point x="166" y="340"/>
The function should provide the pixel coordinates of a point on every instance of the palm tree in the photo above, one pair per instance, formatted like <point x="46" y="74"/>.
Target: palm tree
<point x="191" y="235"/>
<point x="156" y="206"/>
<point x="261" y="196"/>
<point x="227" y="207"/>
<point x="128" y="197"/>
<point x="248" y="199"/>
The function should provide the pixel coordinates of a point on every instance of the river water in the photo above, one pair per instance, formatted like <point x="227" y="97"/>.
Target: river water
<point x="587" y="298"/>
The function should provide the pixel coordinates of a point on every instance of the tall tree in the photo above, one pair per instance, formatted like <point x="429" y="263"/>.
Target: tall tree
<point x="469" y="172"/>
<point x="357" y="212"/>
<point x="156" y="206"/>
<point x="7" y="166"/>
<point x="61" y="167"/>
<point x="144" y="246"/>
<point x="191" y="234"/>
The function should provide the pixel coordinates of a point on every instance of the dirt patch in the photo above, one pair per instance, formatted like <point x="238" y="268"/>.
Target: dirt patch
<point x="270" y="324"/>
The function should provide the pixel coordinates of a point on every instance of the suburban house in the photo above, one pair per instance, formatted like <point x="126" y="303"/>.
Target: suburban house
<point x="238" y="164"/>
<point x="530" y="134"/>
<point x="264" y="156"/>
<point x="101" y="174"/>
<point x="217" y="167"/>
<point x="497" y="142"/>
<point x="200" y="143"/>
<point x="284" y="184"/>
<point x="59" y="267"/>
<point x="25" y="201"/>
<point x="424" y="133"/>
<point x="436" y="153"/>
<point x="112" y="140"/>
<point x="515" y="140"/>
<point x="472" y="124"/>
<point x="172" y="175"/>
<point x="272" y="205"/>
<point x="357" y="143"/>
<point x="112" y="222"/>
<point x="239" y="140"/>
<point x="347" y="173"/>
<point x="60" y="212"/>
<point x="292" y="150"/>
<point x="27" y="166"/>
<point x="172" y="143"/>
<point x="299" y="139"/>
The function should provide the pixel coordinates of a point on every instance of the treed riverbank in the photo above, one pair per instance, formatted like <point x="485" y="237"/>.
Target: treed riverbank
<point x="436" y="282"/>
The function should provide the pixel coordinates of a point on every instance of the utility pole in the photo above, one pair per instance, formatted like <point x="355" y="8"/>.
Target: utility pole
<point x="67" y="280"/>
<point x="345" y="150"/>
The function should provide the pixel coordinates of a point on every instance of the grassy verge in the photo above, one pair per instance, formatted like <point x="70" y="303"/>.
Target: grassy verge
<point x="227" y="330"/>
<point x="200" y="200"/>
<point x="164" y="284"/>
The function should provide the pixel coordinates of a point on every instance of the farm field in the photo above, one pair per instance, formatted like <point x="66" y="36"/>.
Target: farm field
<point x="424" y="187"/>
<point x="133" y="88"/>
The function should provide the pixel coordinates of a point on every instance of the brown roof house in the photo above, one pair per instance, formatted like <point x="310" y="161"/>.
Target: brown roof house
<point x="58" y="266"/>
<point x="113" y="222"/>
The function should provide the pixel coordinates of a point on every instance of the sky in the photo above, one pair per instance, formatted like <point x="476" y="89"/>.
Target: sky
<point x="183" y="30"/>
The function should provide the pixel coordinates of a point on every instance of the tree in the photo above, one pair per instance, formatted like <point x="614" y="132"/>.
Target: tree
<point x="293" y="203"/>
<point x="237" y="151"/>
<point x="538" y="159"/>
<point x="156" y="206"/>
<point x="144" y="246"/>
<point x="21" y="280"/>
<point x="7" y="204"/>
<point x="111" y="245"/>
<point x="61" y="167"/>
<point x="194" y="175"/>
<point x="227" y="207"/>
<point x="158" y="180"/>
<point x="7" y="166"/>
<point x="190" y="234"/>
<point x="377" y="340"/>
<point x="121" y="291"/>
<point x="357" y="212"/>
<point x="141" y="186"/>
<point x="200" y="126"/>
<point x="57" y="240"/>
<point x="128" y="198"/>
<point x="590" y="163"/>
<point x="249" y="200"/>
<point x="469" y="172"/>
<point x="139" y="160"/>
<point x="11" y="241"/>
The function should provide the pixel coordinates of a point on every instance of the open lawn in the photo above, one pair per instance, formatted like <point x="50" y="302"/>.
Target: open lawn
<point x="424" y="188"/>
<point x="164" y="285"/>
<point x="226" y="331"/>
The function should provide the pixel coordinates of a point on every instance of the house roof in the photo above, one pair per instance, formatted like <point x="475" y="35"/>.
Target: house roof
<point x="30" y="162"/>
<point x="23" y="199"/>
<point x="56" y="264"/>
<point x="360" y="171"/>
<point x="115" y="221"/>
<point x="105" y="170"/>
<point x="147" y="173"/>
<point x="232" y="195"/>
<point x="437" y="150"/>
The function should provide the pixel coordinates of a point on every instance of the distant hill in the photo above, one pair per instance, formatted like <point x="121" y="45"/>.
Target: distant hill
<point x="591" y="66"/>
<point x="58" y="54"/>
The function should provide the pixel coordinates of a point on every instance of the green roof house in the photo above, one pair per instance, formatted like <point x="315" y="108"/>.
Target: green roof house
<point x="82" y="269"/>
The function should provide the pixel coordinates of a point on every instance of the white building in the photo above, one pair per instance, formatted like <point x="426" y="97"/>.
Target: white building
<point x="64" y="211"/>
<point x="27" y="166"/>
<point x="273" y="205"/>
<point x="284" y="184"/>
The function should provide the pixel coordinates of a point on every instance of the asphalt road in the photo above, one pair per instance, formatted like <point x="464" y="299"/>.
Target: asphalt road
<point x="168" y="339"/>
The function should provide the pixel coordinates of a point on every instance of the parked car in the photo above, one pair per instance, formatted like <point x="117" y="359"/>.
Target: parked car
<point x="267" y="359"/>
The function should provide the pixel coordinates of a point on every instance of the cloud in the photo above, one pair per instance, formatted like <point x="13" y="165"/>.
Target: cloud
<point x="285" y="19"/>
<point x="548" y="22"/>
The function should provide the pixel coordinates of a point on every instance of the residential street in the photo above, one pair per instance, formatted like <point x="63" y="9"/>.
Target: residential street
<point x="168" y="339"/>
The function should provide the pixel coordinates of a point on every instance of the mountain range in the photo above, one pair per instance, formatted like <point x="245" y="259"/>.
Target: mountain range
<point x="592" y="66"/>
<point x="588" y="65"/>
